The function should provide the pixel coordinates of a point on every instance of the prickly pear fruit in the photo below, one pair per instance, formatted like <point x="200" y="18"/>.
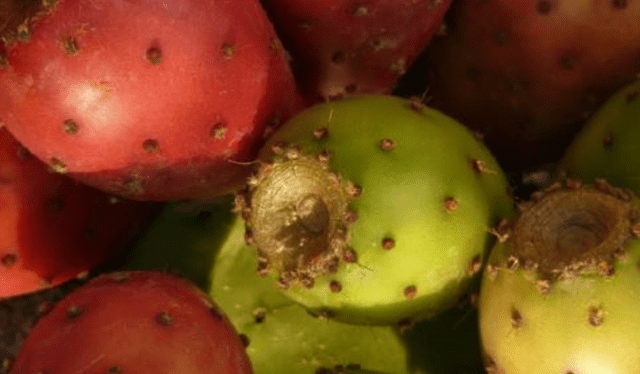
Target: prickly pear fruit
<point x="346" y="47"/>
<point x="152" y="100"/>
<point x="282" y="337"/>
<point x="373" y="209"/>
<point x="528" y="72"/>
<point x="608" y="145"/>
<point x="560" y="292"/>
<point x="184" y="239"/>
<point x="54" y="229"/>
<point x="134" y="322"/>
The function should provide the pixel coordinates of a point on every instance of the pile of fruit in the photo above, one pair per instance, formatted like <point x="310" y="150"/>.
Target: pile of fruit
<point x="319" y="187"/>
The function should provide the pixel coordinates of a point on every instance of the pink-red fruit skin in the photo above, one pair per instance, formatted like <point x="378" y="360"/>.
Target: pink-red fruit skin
<point x="134" y="322"/>
<point x="345" y="47"/>
<point x="527" y="73"/>
<point x="153" y="100"/>
<point x="52" y="228"/>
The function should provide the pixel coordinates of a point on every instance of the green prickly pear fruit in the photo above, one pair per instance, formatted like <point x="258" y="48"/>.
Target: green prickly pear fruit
<point x="608" y="145"/>
<point x="282" y="336"/>
<point x="373" y="209"/>
<point x="184" y="239"/>
<point x="560" y="292"/>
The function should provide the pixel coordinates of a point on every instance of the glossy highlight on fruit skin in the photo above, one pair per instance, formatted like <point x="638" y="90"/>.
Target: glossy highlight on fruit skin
<point x="148" y="99"/>
<point x="134" y="322"/>
<point x="559" y="293"/>
<point x="54" y="229"/>
<point x="421" y="195"/>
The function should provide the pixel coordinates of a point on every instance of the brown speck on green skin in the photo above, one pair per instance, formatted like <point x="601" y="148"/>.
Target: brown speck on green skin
<point x="354" y="190"/>
<point x="516" y="318"/>
<point x="479" y="166"/>
<point x="387" y="145"/>
<point x="70" y="127"/>
<point x="410" y="292"/>
<point x="474" y="266"/>
<point x="596" y="316"/>
<point x="350" y="255"/>
<point x="259" y="315"/>
<point x="335" y="286"/>
<point x="320" y="133"/>
<point x="324" y="156"/>
<point x="244" y="339"/>
<point x="450" y="204"/>
<point x="388" y="244"/>
<point x="631" y="96"/>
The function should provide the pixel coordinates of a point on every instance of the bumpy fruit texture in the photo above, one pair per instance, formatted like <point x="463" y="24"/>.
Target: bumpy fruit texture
<point x="527" y="73"/>
<point x="153" y="100"/>
<point x="560" y="295"/>
<point x="184" y="239"/>
<point x="373" y="209"/>
<point x="134" y="322"/>
<point x="282" y="336"/>
<point x="53" y="229"/>
<point x="608" y="145"/>
<point x="343" y="47"/>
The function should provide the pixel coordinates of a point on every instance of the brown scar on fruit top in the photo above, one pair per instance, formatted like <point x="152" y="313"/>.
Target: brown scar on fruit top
<point x="569" y="232"/>
<point x="297" y="212"/>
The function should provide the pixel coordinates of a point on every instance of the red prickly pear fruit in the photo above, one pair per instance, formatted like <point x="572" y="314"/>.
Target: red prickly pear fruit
<point x="527" y="73"/>
<point x="151" y="100"/>
<point x="53" y="229"/>
<point x="343" y="47"/>
<point x="134" y="322"/>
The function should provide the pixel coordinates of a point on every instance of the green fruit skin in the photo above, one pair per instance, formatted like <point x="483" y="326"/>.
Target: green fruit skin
<point x="289" y="340"/>
<point x="554" y="334"/>
<point x="404" y="190"/>
<point x="184" y="239"/>
<point x="609" y="145"/>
